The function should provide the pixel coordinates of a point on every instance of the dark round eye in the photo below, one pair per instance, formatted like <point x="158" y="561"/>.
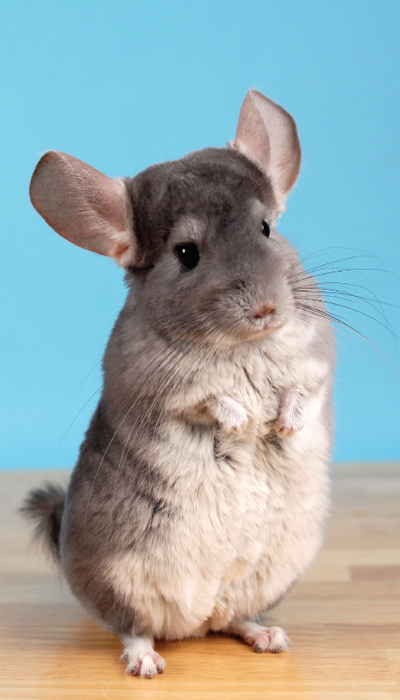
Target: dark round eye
<point x="265" y="229"/>
<point x="188" y="254"/>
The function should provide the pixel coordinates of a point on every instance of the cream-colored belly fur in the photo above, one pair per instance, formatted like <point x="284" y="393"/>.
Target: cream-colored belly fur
<point x="249" y="526"/>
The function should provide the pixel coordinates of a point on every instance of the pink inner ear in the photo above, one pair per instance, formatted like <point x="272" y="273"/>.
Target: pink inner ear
<point x="267" y="135"/>
<point x="84" y="206"/>
<point x="251" y="135"/>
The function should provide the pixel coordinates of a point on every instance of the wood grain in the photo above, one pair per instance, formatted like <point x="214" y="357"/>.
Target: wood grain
<point x="343" y="616"/>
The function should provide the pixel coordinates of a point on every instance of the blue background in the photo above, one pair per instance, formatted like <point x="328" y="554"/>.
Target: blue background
<point x="122" y="85"/>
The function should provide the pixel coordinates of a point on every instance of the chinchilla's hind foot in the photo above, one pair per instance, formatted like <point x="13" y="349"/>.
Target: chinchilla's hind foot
<point x="261" y="638"/>
<point x="140" y="657"/>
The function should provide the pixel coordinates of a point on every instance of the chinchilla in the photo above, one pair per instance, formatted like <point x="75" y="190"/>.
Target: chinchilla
<point x="201" y="488"/>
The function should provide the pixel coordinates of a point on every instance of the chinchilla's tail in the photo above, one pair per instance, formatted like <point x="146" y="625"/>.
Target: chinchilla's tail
<point x="44" y="506"/>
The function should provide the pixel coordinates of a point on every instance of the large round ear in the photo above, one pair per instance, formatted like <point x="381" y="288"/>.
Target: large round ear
<point x="84" y="206"/>
<point x="267" y="135"/>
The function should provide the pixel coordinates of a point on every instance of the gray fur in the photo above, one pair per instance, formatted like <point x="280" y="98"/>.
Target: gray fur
<point x="178" y="520"/>
<point x="45" y="506"/>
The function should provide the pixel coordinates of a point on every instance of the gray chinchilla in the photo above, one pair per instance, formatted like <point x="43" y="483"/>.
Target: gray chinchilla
<point x="201" y="488"/>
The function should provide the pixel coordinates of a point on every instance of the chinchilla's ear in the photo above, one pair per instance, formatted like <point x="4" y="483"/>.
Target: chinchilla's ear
<point x="84" y="206"/>
<point x="267" y="135"/>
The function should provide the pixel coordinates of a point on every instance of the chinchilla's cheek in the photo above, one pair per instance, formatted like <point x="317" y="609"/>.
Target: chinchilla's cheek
<point x="201" y="489"/>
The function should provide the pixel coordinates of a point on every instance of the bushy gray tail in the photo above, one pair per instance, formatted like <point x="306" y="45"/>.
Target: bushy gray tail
<point x="45" y="506"/>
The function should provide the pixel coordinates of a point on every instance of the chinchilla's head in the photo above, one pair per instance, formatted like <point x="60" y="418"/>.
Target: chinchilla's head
<point x="197" y="236"/>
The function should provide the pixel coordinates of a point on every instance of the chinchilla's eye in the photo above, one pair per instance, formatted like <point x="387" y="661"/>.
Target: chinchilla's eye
<point x="265" y="229"/>
<point x="188" y="254"/>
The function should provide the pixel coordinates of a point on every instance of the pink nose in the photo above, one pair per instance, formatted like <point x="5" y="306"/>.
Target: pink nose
<point x="263" y="310"/>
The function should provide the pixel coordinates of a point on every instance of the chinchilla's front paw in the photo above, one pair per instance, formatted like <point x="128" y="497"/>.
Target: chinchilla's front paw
<point x="229" y="413"/>
<point x="292" y="414"/>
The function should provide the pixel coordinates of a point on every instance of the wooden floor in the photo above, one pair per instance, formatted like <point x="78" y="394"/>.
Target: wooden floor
<point x="342" y="617"/>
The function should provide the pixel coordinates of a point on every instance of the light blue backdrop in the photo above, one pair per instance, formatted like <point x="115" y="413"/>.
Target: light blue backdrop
<point x="122" y="85"/>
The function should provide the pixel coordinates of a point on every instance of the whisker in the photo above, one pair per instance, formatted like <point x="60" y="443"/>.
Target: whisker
<point x="87" y="377"/>
<point x="76" y="417"/>
<point x="309" y="311"/>
<point x="341" y="294"/>
<point x="362" y="313"/>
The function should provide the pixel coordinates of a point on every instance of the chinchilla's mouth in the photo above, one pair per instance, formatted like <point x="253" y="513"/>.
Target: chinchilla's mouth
<point x="258" y="326"/>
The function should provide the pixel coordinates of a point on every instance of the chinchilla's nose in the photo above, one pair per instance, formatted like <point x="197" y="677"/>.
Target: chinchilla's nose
<point x="263" y="310"/>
